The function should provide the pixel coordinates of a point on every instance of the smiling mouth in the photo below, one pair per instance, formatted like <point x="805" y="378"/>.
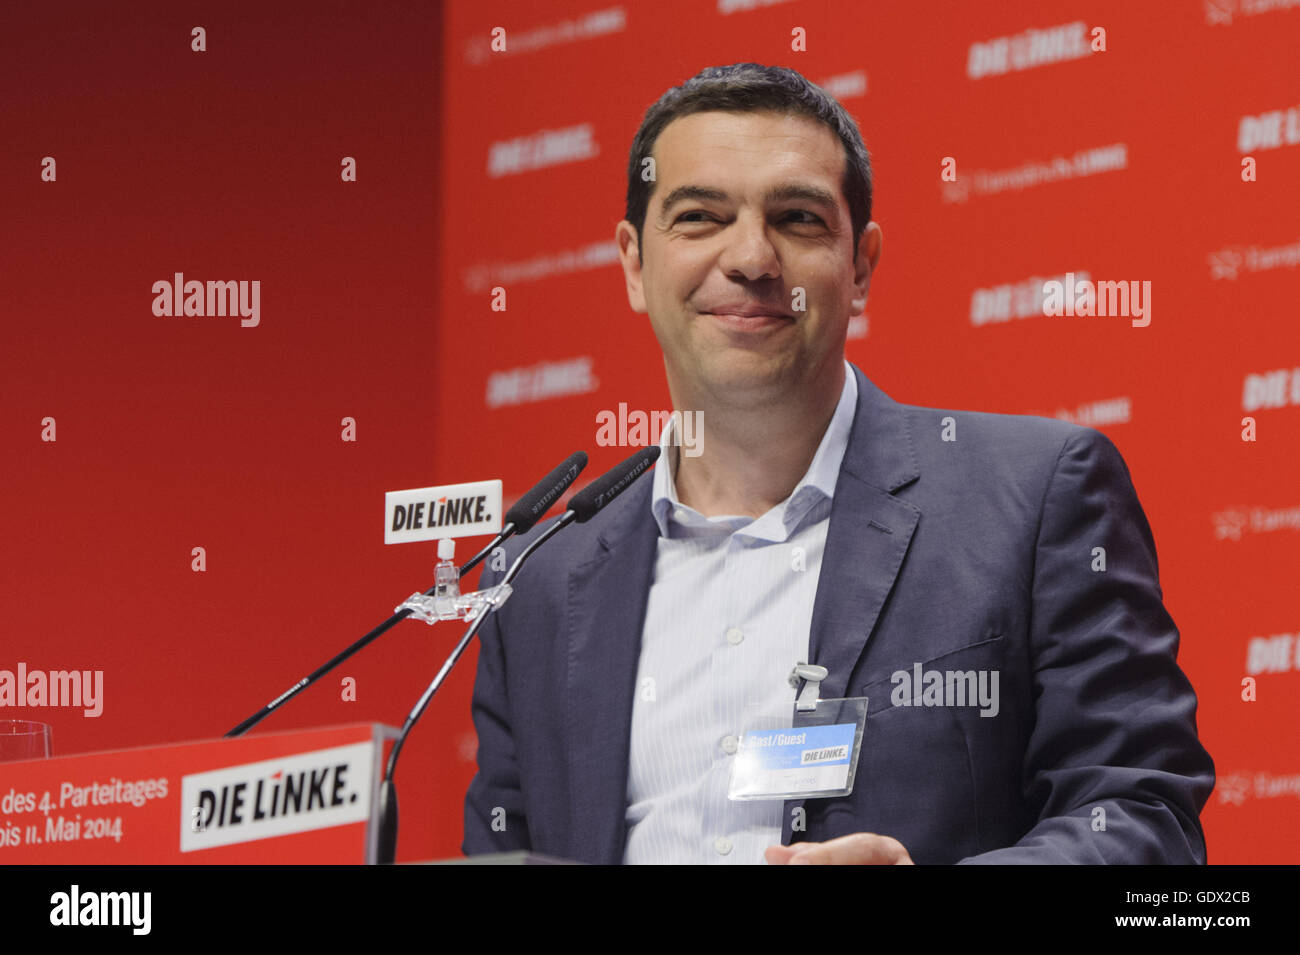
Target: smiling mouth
<point x="750" y="322"/>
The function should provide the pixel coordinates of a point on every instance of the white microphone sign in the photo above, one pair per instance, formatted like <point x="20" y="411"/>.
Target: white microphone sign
<point x="452" y="510"/>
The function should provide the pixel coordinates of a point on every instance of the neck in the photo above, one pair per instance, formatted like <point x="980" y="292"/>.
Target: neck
<point x="754" y="456"/>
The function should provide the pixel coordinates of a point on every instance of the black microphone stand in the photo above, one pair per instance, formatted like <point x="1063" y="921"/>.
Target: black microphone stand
<point x="387" y="850"/>
<point x="369" y="638"/>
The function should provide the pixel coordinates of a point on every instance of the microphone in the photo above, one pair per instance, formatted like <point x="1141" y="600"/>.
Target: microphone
<point x="519" y="518"/>
<point x="600" y="492"/>
<point x="529" y="508"/>
<point x="583" y="506"/>
<point x="592" y="499"/>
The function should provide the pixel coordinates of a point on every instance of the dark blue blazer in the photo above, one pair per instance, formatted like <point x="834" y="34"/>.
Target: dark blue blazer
<point x="975" y="553"/>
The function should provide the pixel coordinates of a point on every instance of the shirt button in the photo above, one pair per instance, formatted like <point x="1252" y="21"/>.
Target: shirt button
<point x="730" y="744"/>
<point x="723" y="845"/>
<point x="734" y="636"/>
<point x="680" y="515"/>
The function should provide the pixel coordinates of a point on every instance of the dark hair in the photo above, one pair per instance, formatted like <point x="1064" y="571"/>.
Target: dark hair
<point x="748" y="88"/>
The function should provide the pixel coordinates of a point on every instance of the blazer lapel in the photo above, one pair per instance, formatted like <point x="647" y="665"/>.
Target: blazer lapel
<point x="869" y="532"/>
<point x="607" y="601"/>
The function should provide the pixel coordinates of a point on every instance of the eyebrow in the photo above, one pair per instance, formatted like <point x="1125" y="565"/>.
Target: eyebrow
<point x="782" y="193"/>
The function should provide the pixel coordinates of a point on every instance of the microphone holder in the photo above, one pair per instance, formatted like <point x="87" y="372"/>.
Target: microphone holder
<point x="463" y="607"/>
<point x="491" y="599"/>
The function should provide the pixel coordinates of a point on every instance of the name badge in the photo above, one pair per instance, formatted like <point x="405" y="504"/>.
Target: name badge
<point x="799" y="753"/>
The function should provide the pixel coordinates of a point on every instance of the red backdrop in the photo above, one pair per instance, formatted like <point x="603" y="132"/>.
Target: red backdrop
<point x="481" y="168"/>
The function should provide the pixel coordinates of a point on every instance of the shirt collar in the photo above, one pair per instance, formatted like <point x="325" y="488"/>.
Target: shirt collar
<point x="817" y="485"/>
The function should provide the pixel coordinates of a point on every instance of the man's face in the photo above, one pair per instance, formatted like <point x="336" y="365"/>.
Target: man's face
<point x="747" y="209"/>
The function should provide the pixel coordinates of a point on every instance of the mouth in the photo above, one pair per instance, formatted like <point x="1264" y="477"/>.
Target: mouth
<point x="749" y="319"/>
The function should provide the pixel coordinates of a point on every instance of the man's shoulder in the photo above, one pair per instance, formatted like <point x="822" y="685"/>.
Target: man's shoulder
<point x="991" y="446"/>
<point x="989" y="429"/>
<point x="957" y="461"/>
<point x="915" y="438"/>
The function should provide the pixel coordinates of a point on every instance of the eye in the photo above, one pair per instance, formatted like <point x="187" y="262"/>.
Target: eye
<point x="812" y="218"/>
<point x="693" y="212"/>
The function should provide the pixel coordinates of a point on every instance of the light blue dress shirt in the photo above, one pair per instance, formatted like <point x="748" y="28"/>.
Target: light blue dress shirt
<point x="728" y="617"/>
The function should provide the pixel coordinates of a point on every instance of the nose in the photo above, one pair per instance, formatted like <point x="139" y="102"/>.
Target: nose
<point x="748" y="250"/>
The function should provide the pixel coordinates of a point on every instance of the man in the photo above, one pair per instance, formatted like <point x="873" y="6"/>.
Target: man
<point x="826" y="523"/>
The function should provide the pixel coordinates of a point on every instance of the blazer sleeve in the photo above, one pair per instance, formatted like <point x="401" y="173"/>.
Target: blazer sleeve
<point x="1113" y="764"/>
<point x="494" y="803"/>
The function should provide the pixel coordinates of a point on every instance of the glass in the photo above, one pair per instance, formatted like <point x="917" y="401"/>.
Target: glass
<point x="24" y="739"/>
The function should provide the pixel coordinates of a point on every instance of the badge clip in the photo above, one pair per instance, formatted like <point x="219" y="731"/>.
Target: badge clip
<point x="811" y="676"/>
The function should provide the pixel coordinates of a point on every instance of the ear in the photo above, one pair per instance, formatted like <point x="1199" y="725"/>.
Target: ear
<point x="628" y="255"/>
<point x="865" y="265"/>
